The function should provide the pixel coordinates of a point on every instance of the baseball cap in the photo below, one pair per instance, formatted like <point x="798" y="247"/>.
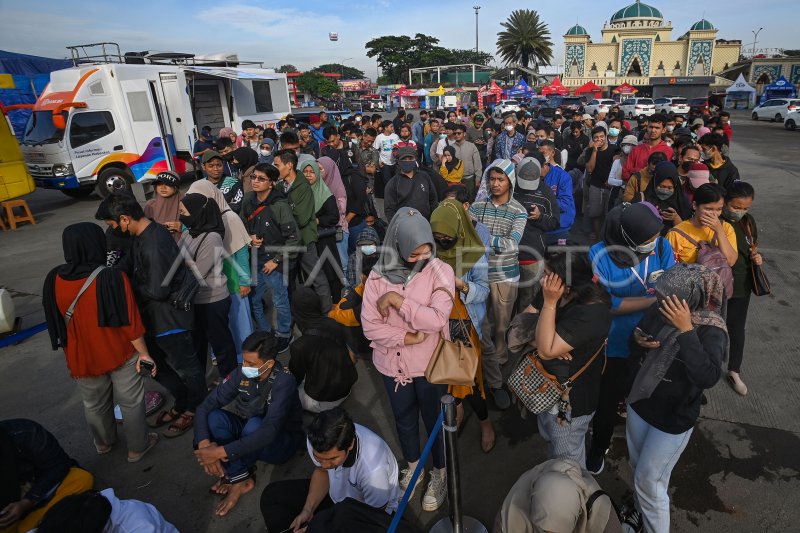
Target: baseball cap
<point x="208" y="156"/>
<point x="406" y="151"/>
<point x="586" y="116"/>
<point x="698" y="175"/>
<point x="167" y="177"/>
<point x="528" y="175"/>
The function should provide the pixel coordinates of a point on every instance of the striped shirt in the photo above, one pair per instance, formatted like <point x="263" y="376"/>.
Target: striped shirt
<point x="506" y="223"/>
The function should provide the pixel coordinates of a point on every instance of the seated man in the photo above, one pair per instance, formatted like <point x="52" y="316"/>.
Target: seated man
<point x="31" y="456"/>
<point x="354" y="467"/>
<point x="100" y="512"/>
<point x="264" y="421"/>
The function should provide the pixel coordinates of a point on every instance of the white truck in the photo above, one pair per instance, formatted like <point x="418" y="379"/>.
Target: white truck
<point x="113" y="120"/>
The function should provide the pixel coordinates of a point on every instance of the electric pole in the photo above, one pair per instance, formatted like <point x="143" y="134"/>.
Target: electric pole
<point x="476" y="8"/>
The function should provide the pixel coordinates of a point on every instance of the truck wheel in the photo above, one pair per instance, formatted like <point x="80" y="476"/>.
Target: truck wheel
<point x="81" y="192"/>
<point x="113" y="179"/>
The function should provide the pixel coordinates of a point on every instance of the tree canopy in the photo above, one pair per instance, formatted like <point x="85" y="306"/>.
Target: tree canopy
<point x="397" y="53"/>
<point x="287" y="68"/>
<point x="525" y="39"/>
<point x="348" y="73"/>
<point x="317" y="85"/>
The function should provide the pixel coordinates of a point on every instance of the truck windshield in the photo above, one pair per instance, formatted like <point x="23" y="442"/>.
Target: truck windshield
<point x="41" y="130"/>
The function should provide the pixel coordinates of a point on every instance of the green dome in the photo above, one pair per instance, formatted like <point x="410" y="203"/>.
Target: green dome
<point x="702" y="25"/>
<point x="637" y="10"/>
<point x="577" y="29"/>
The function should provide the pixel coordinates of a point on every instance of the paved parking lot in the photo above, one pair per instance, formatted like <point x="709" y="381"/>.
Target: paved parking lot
<point x="741" y="471"/>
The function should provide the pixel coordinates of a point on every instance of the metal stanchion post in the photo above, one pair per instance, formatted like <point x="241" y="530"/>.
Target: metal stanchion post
<point x="456" y="522"/>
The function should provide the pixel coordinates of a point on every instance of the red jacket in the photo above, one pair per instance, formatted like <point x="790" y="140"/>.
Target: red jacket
<point x="637" y="159"/>
<point x="728" y="131"/>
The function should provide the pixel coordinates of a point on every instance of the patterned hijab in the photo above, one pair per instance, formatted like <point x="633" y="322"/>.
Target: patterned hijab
<point x="704" y="293"/>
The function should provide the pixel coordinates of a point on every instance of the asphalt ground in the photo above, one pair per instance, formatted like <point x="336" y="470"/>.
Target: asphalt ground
<point x="740" y="472"/>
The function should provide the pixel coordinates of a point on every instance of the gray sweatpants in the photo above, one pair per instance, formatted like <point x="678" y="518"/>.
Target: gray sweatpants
<point x="502" y="297"/>
<point x="125" y="387"/>
<point x="565" y="442"/>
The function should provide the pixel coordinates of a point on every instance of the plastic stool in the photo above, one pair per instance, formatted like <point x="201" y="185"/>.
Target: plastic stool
<point x="13" y="218"/>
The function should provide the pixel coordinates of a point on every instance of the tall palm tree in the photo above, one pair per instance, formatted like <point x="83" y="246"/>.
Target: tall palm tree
<point x="525" y="40"/>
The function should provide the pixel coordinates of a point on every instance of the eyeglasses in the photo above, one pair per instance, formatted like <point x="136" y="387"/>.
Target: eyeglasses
<point x="259" y="179"/>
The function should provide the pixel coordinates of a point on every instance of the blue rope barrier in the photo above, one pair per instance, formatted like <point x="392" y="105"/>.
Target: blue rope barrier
<point x="420" y="466"/>
<point x="20" y="336"/>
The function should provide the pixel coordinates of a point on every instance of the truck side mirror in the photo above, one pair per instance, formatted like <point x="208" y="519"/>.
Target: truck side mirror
<point x="58" y="121"/>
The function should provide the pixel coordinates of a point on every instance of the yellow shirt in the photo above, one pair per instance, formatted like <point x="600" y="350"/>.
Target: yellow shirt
<point x="685" y="251"/>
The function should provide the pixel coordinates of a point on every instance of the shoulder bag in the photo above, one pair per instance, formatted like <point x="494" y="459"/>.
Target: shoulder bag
<point x="539" y="390"/>
<point x="760" y="283"/>
<point x="453" y="362"/>
<point x="86" y="284"/>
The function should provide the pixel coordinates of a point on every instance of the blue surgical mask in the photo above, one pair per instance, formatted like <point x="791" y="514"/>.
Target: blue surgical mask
<point x="251" y="372"/>
<point x="613" y="132"/>
<point x="369" y="249"/>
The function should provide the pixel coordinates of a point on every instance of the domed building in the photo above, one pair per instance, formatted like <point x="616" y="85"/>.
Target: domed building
<point x="637" y="48"/>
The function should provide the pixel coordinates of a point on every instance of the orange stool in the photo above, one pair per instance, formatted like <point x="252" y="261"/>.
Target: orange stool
<point x="27" y="216"/>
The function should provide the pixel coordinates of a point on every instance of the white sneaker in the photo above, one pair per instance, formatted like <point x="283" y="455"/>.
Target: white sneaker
<point x="437" y="491"/>
<point x="405" y="478"/>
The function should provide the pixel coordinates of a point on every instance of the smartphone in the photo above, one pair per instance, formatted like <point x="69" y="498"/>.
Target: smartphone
<point x="647" y="336"/>
<point x="146" y="368"/>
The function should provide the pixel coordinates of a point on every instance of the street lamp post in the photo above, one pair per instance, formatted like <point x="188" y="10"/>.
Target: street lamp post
<point x="476" y="8"/>
<point x="755" y="38"/>
<point x="342" y="65"/>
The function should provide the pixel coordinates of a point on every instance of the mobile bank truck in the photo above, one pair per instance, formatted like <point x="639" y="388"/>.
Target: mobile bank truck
<point x="113" y="120"/>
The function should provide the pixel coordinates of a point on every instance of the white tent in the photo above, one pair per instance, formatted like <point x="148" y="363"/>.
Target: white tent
<point x="740" y="94"/>
<point x="421" y="92"/>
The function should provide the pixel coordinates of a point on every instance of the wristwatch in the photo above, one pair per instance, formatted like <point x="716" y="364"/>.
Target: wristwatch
<point x="464" y="289"/>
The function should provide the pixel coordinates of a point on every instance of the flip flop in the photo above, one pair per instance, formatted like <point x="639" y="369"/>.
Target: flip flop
<point x="164" y="417"/>
<point x="152" y="440"/>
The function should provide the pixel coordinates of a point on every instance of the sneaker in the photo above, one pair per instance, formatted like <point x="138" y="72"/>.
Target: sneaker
<point x="736" y="382"/>
<point x="594" y="464"/>
<point x="437" y="491"/>
<point x="405" y="478"/>
<point x="283" y="343"/>
<point x="633" y="519"/>
<point x="502" y="400"/>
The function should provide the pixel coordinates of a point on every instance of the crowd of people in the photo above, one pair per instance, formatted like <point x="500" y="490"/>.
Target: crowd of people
<point x="324" y="244"/>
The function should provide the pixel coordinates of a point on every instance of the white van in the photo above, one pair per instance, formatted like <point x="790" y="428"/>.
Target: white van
<point x="105" y="126"/>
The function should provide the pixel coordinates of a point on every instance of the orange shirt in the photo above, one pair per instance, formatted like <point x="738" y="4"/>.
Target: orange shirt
<point x="91" y="350"/>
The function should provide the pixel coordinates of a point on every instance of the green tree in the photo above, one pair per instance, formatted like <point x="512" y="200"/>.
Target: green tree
<point x="791" y="53"/>
<point x="317" y="85"/>
<point x="287" y="68"/>
<point x="525" y="39"/>
<point x="348" y="73"/>
<point x="458" y="57"/>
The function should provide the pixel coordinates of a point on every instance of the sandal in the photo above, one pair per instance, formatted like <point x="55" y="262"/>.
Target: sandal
<point x="152" y="440"/>
<point x="181" y="425"/>
<point x="165" y="417"/>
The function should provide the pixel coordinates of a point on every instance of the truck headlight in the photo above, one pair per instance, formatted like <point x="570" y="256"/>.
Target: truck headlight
<point x="63" y="170"/>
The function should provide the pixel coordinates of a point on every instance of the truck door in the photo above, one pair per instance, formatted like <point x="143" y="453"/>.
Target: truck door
<point x="164" y="129"/>
<point x="207" y="103"/>
<point x="178" y="121"/>
<point x="147" y="130"/>
<point x="92" y="135"/>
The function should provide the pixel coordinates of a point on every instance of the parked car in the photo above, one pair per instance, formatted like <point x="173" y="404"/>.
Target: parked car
<point x="792" y="120"/>
<point x="505" y="106"/>
<point x="674" y="105"/>
<point x="573" y="103"/>
<point x="548" y="110"/>
<point x="776" y="109"/>
<point x="699" y="106"/>
<point x="595" y="106"/>
<point x="638" y="107"/>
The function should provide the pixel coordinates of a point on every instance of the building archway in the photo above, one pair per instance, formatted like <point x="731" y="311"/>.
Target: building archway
<point x="635" y="68"/>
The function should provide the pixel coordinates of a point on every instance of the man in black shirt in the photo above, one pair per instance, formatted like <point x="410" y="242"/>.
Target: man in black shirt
<point x="599" y="158"/>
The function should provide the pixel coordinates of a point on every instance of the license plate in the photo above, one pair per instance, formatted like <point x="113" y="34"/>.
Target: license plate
<point x="35" y="157"/>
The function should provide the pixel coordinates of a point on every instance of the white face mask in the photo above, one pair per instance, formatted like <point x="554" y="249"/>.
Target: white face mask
<point x="265" y="152"/>
<point x="627" y="149"/>
<point x="646" y="248"/>
<point x="509" y="127"/>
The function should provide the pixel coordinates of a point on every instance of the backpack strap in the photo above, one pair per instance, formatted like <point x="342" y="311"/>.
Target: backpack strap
<point x="86" y="284"/>
<point x="686" y="236"/>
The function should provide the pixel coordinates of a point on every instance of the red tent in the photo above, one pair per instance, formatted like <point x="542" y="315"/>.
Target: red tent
<point x="590" y="87"/>
<point x="402" y="91"/>
<point x="492" y="91"/>
<point x="555" y="88"/>
<point x="625" y="88"/>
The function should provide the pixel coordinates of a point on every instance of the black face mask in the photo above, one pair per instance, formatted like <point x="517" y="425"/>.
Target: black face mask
<point x="445" y="244"/>
<point x="687" y="166"/>
<point x="117" y="232"/>
<point x="416" y="266"/>
<point x="186" y="220"/>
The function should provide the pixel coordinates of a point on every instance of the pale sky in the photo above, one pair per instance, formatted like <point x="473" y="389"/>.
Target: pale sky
<point x="283" y="31"/>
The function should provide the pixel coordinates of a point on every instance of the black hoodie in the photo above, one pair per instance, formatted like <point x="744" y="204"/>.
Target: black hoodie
<point x="271" y="220"/>
<point x="533" y="238"/>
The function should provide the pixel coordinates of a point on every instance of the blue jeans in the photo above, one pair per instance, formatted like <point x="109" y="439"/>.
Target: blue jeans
<point x="408" y="402"/>
<point x="341" y="247"/>
<point x="653" y="455"/>
<point x="225" y="427"/>
<point x="355" y="233"/>
<point x="239" y="321"/>
<point x="280" y="299"/>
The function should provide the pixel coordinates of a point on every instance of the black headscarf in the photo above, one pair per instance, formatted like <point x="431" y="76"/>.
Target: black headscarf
<point x="307" y="311"/>
<point x="666" y="171"/>
<point x="245" y="157"/>
<point x="84" y="247"/>
<point x="452" y="164"/>
<point x="638" y="222"/>
<point x="204" y="215"/>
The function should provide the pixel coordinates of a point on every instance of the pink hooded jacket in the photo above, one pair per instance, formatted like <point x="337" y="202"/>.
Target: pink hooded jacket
<point x="423" y="310"/>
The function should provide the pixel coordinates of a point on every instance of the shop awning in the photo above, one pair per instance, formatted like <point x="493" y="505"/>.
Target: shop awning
<point x="589" y="87"/>
<point x="232" y="73"/>
<point x="625" y="88"/>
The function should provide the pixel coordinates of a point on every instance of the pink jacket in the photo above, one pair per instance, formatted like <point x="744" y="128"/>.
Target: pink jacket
<point x="423" y="310"/>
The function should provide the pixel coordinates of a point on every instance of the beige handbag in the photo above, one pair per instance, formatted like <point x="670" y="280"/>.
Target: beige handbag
<point x="453" y="363"/>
